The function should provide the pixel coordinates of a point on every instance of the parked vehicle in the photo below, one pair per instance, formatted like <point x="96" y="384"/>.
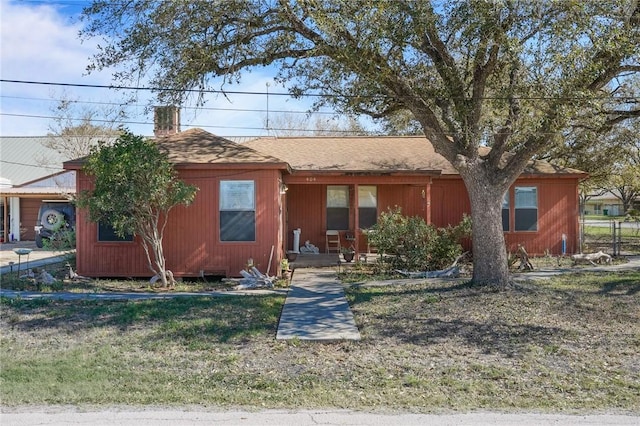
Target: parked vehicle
<point x="56" y="219"/>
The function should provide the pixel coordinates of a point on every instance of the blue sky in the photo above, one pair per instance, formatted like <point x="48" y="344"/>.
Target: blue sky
<point x="39" y="43"/>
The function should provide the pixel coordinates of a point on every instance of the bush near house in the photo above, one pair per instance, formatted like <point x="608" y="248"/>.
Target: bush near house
<point x="410" y="243"/>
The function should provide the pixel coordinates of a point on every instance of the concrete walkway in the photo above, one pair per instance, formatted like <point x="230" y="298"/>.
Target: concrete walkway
<point x="316" y="309"/>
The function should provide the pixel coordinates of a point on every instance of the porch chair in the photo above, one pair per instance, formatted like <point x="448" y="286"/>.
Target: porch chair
<point x="332" y="241"/>
<point x="371" y="248"/>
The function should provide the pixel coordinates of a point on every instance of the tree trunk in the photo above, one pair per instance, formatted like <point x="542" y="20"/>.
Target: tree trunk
<point x="490" y="262"/>
<point x="155" y="259"/>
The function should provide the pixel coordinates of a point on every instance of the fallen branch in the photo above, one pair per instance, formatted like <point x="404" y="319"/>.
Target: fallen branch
<point x="591" y="258"/>
<point x="452" y="271"/>
<point x="525" y="263"/>
<point x="253" y="278"/>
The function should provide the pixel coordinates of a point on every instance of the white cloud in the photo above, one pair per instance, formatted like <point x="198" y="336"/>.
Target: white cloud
<point x="40" y="43"/>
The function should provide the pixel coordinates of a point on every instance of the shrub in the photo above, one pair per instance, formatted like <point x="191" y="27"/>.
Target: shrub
<point x="61" y="240"/>
<point x="410" y="243"/>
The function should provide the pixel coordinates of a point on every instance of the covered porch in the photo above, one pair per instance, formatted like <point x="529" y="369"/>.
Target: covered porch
<point x="348" y="204"/>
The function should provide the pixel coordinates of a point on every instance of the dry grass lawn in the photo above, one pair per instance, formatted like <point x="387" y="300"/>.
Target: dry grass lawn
<point x="570" y="344"/>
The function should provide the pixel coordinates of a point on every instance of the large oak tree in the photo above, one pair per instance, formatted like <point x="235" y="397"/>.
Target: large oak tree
<point x="507" y="74"/>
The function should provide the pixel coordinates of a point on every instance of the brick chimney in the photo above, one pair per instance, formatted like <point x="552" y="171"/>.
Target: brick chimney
<point x="166" y="120"/>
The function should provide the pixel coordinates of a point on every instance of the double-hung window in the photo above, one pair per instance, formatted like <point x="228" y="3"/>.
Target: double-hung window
<point x="237" y="210"/>
<point x="367" y="206"/>
<point x="526" y="208"/>
<point x="338" y="207"/>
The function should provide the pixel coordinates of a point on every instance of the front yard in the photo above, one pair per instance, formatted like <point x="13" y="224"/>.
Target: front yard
<point x="569" y="344"/>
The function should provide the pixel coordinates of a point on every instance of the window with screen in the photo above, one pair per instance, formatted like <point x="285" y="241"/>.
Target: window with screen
<point x="237" y="210"/>
<point x="338" y="207"/>
<point x="526" y="208"/>
<point x="367" y="206"/>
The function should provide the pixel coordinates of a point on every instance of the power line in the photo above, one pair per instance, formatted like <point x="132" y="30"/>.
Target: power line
<point x="182" y="107"/>
<point x="30" y="165"/>
<point x="147" y="123"/>
<point x="155" y="89"/>
<point x="308" y="95"/>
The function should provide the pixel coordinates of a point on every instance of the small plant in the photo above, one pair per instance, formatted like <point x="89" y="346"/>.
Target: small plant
<point x="284" y="265"/>
<point x="348" y="253"/>
<point x="61" y="240"/>
<point x="57" y="286"/>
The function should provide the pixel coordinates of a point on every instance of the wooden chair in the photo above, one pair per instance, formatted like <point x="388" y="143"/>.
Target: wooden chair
<point x="332" y="241"/>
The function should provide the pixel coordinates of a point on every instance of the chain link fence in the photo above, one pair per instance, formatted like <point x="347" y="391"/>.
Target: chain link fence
<point x="615" y="237"/>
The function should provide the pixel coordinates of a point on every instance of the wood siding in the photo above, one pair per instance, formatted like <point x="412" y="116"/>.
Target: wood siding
<point x="448" y="201"/>
<point x="558" y="212"/>
<point x="306" y="208"/>
<point x="192" y="238"/>
<point x="192" y="241"/>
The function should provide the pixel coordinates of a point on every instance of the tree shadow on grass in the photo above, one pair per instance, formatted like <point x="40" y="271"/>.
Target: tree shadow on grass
<point x="628" y="286"/>
<point x="607" y="283"/>
<point x="216" y="319"/>
<point x="488" y="337"/>
<point x="362" y="294"/>
<point x="424" y="326"/>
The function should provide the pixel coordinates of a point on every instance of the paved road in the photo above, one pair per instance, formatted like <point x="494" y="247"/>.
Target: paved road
<point x="127" y="416"/>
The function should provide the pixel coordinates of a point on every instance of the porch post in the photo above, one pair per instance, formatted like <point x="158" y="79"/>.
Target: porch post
<point x="14" y="213"/>
<point x="5" y="222"/>
<point x="356" y="220"/>
<point x="427" y="200"/>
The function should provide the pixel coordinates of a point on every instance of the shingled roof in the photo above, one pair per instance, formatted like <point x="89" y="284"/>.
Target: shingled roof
<point x="349" y="154"/>
<point x="368" y="154"/>
<point x="196" y="146"/>
<point x="371" y="154"/>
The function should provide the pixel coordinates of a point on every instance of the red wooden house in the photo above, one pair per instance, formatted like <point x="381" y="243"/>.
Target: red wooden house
<point x="253" y="196"/>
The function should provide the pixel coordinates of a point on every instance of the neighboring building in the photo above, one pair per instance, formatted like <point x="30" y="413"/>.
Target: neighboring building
<point x="253" y="196"/>
<point x="28" y="178"/>
<point x="21" y="203"/>
<point x="606" y="204"/>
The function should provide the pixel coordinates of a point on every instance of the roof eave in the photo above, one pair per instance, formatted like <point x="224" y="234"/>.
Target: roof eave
<point x="377" y="172"/>
<point x="234" y="165"/>
<point x="558" y="175"/>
